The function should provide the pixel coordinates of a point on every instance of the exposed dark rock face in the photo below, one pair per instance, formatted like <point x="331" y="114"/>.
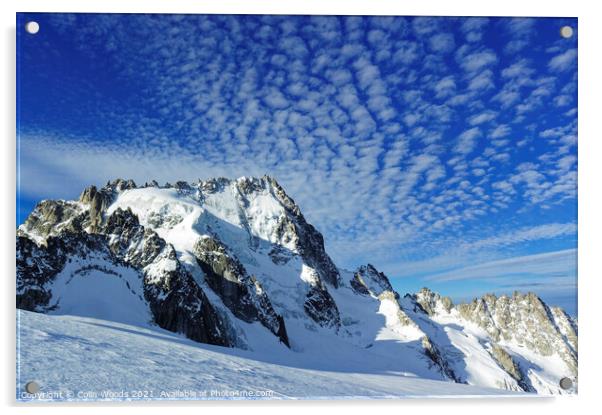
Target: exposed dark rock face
<point x="120" y="185"/>
<point x="430" y="301"/>
<point x="36" y="266"/>
<point x="309" y="242"/>
<point x="279" y="255"/>
<point x="291" y="230"/>
<point x="311" y="249"/>
<point x="98" y="202"/>
<point x="359" y="287"/>
<point x="178" y="304"/>
<point x="521" y="319"/>
<point x="435" y="355"/>
<point x="51" y="218"/>
<point x="567" y="327"/>
<point x="507" y="362"/>
<point x="183" y="186"/>
<point x="368" y="280"/>
<point x="320" y="306"/>
<point x="525" y="319"/>
<point x="175" y="300"/>
<point x="241" y="293"/>
<point x="251" y="223"/>
<point x="131" y="241"/>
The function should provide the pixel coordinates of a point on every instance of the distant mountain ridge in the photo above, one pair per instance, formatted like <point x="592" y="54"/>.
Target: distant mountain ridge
<point x="234" y="263"/>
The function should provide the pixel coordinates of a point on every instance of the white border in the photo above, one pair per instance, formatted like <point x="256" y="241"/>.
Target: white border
<point x="590" y="187"/>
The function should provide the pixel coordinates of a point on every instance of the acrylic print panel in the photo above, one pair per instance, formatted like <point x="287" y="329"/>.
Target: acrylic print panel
<point x="275" y="207"/>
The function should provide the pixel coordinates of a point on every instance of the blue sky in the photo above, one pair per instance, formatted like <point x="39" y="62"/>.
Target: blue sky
<point x="442" y="150"/>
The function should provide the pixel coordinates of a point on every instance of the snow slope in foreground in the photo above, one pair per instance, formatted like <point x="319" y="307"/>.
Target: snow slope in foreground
<point x="101" y="359"/>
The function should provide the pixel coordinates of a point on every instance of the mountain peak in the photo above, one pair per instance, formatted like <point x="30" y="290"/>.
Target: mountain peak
<point x="432" y="302"/>
<point x="368" y="280"/>
<point x="233" y="262"/>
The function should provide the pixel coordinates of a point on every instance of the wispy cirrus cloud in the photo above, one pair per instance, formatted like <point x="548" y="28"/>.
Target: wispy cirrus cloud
<point x="479" y="250"/>
<point x="547" y="265"/>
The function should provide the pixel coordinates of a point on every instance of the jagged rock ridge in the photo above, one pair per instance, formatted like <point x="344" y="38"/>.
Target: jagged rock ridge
<point x="210" y="258"/>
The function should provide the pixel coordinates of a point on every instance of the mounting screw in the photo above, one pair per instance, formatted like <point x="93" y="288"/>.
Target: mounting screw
<point x="32" y="387"/>
<point x="566" y="383"/>
<point x="32" y="27"/>
<point x="566" y="31"/>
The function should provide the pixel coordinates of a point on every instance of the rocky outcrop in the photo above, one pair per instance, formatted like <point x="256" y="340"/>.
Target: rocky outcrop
<point x="291" y="231"/>
<point x="130" y="241"/>
<point x="436" y="356"/>
<point x="308" y="241"/>
<point x="567" y="326"/>
<point x="290" y="237"/>
<point x="53" y="217"/>
<point x="368" y="280"/>
<point x="431" y="350"/>
<point x="248" y="255"/>
<point x="37" y="265"/>
<point x="431" y="302"/>
<point x="524" y="319"/>
<point x="241" y="293"/>
<point x="507" y="362"/>
<point x="98" y="201"/>
<point x="176" y="302"/>
<point x="320" y="306"/>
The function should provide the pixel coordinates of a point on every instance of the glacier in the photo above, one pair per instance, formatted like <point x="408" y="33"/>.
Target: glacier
<point x="222" y="285"/>
<point x="107" y="360"/>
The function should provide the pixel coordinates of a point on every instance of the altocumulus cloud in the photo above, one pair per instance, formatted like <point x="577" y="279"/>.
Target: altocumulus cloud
<point x="398" y="137"/>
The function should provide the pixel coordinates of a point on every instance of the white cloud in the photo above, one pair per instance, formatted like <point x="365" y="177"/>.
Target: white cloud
<point x="507" y="97"/>
<point x="473" y="28"/>
<point x="520" y="30"/>
<point x="442" y="42"/>
<point x="339" y="76"/>
<point x="563" y="61"/>
<point x="478" y="60"/>
<point x="445" y="87"/>
<point x="276" y="99"/>
<point x="346" y="113"/>
<point x="481" y="118"/>
<point x="406" y="52"/>
<point x="519" y="236"/>
<point x="424" y="25"/>
<point x="500" y="131"/>
<point x="520" y="69"/>
<point x="548" y="264"/>
<point x="482" y="82"/>
<point x="467" y="141"/>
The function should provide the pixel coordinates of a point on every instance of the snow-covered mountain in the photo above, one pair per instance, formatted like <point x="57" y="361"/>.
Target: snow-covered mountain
<point x="234" y="263"/>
